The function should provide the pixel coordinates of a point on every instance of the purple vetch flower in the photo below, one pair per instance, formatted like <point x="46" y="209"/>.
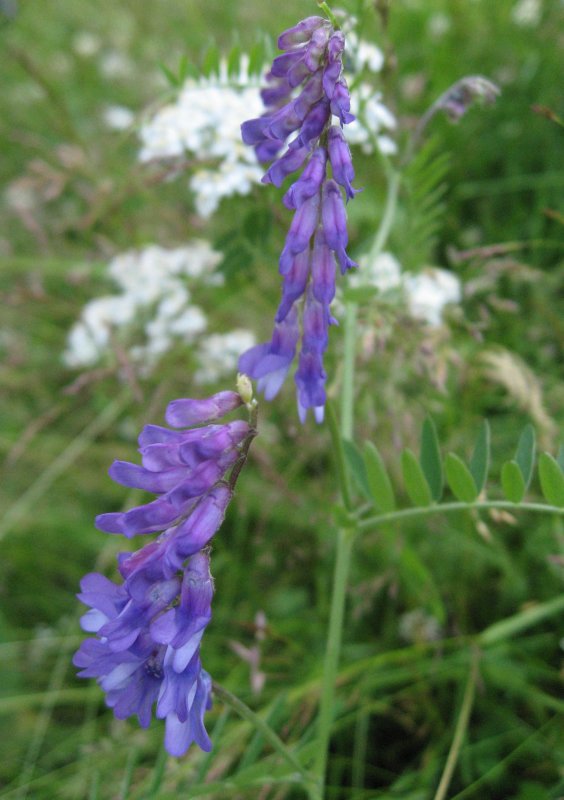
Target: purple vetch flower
<point x="270" y="362"/>
<point x="341" y="161"/>
<point x="148" y="628"/>
<point x="334" y="222"/>
<point x="307" y="91"/>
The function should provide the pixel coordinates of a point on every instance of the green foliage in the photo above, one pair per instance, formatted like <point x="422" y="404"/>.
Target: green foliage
<point x="430" y="459"/>
<point x="551" y="477"/>
<point x="480" y="461"/>
<point x="427" y="586"/>
<point x="423" y="479"/>
<point x="425" y="187"/>
<point x="414" y="478"/>
<point x="460" y="479"/>
<point x="378" y="479"/>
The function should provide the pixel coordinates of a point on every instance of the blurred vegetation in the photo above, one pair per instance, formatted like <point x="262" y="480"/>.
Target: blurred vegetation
<point x="73" y="195"/>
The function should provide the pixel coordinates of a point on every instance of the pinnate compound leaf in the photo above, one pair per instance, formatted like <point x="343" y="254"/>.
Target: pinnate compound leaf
<point x="355" y="463"/>
<point x="512" y="481"/>
<point x="525" y="455"/>
<point x="551" y="480"/>
<point x="415" y="483"/>
<point x="460" y="479"/>
<point x="430" y="459"/>
<point x="378" y="479"/>
<point x="480" y="461"/>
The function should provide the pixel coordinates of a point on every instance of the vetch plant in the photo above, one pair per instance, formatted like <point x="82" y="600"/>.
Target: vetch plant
<point x="149" y="626"/>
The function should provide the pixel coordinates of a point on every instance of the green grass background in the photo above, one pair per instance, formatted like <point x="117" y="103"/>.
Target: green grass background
<point x="397" y="700"/>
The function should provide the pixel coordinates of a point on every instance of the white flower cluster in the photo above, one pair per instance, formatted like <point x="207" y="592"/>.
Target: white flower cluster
<point x="204" y="123"/>
<point x="426" y="293"/>
<point x="155" y="300"/>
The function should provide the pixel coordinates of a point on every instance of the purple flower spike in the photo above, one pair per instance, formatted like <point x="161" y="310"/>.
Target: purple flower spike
<point x="300" y="33"/>
<point x="149" y="628"/>
<point x="312" y="59"/>
<point x="182" y="413"/>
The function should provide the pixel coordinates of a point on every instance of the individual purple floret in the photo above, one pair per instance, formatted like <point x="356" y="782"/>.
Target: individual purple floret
<point x="150" y="625"/>
<point x="307" y="91"/>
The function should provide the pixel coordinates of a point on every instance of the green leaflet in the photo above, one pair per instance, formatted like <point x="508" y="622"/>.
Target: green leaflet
<point x="355" y="463"/>
<point x="430" y="459"/>
<point x="415" y="482"/>
<point x="551" y="480"/>
<point x="525" y="455"/>
<point x="512" y="481"/>
<point x="480" y="461"/>
<point x="378" y="479"/>
<point x="460" y="479"/>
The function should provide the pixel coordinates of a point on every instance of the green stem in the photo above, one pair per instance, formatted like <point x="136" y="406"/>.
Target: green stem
<point x="447" y="508"/>
<point x="347" y="397"/>
<point x="460" y="730"/>
<point x="327" y="11"/>
<point x="333" y="650"/>
<point x="343" y="556"/>
<point x="260" y="725"/>
<point x="340" y="465"/>
<point x="383" y="232"/>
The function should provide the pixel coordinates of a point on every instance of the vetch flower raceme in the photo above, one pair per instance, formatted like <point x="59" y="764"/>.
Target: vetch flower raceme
<point x="296" y="132"/>
<point x="149" y="627"/>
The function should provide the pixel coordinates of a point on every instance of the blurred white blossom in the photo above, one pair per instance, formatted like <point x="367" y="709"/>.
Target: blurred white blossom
<point x="426" y="293"/>
<point x="219" y="353"/>
<point x="86" y="44"/>
<point x="418" y="626"/>
<point x="527" y="13"/>
<point x="118" y="118"/>
<point x="430" y="291"/>
<point x="383" y="272"/>
<point x="154" y="299"/>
